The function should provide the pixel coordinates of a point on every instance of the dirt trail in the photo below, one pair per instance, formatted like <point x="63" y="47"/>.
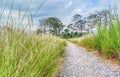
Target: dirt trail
<point x="80" y="63"/>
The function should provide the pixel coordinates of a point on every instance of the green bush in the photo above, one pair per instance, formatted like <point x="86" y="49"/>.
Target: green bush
<point x="71" y="35"/>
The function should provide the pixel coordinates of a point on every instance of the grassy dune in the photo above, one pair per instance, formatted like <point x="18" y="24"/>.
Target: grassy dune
<point x="29" y="55"/>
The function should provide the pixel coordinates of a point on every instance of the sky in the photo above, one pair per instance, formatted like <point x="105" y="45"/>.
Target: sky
<point x="62" y="9"/>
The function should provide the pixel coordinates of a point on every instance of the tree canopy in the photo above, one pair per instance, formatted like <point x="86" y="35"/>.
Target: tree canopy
<point x="54" y="24"/>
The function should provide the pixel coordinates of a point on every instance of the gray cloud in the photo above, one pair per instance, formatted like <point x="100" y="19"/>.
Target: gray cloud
<point x="63" y="9"/>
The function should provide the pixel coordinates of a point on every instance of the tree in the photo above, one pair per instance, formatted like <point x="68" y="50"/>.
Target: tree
<point x="69" y="26"/>
<point x="93" y="19"/>
<point x="53" y="23"/>
<point x="98" y="17"/>
<point x="67" y="30"/>
<point x="76" y="17"/>
<point x="79" y="22"/>
<point x="104" y="15"/>
<point x="43" y="24"/>
<point x="39" y="31"/>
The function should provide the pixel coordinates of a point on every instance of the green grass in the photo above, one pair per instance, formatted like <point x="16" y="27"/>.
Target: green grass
<point x="106" y="40"/>
<point x="83" y="41"/>
<point x="29" y="55"/>
<point x="25" y="54"/>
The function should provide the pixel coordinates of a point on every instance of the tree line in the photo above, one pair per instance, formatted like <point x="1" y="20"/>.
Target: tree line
<point x="54" y="25"/>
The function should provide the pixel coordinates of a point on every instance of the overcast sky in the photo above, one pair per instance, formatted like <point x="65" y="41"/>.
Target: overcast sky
<point x="62" y="9"/>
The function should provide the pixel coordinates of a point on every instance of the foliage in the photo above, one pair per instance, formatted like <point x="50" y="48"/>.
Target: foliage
<point x="101" y="17"/>
<point x="22" y="53"/>
<point x="76" y="17"/>
<point x="68" y="35"/>
<point x="79" y="22"/>
<point x="107" y="38"/>
<point x="87" y="41"/>
<point x="53" y="23"/>
<point x="29" y="55"/>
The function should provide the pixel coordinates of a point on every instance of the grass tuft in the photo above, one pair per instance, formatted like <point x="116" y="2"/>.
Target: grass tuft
<point x="29" y="55"/>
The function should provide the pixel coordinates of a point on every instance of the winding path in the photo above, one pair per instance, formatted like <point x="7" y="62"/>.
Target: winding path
<point x="79" y="63"/>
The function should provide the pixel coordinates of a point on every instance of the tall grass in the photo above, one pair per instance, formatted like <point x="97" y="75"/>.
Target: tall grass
<point x="26" y="55"/>
<point x="86" y="40"/>
<point x="106" y="40"/>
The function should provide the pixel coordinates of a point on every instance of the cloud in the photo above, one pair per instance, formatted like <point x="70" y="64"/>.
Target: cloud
<point x="69" y="4"/>
<point x="63" y="9"/>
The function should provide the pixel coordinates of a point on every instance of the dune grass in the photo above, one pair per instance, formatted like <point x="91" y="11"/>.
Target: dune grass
<point x="29" y="55"/>
<point x="106" y="40"/>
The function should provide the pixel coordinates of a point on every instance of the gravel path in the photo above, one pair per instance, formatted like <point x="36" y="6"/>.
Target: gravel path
<point x="79" y="63"/>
